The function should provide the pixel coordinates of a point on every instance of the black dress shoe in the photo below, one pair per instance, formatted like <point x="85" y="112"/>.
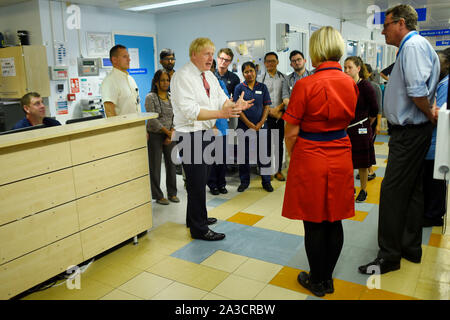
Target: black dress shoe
<point x="328" y="286"/>
<point x="268" y="187"/>
<point x="210" y="236"/>
<point x="379" y="266"/>
<point x="242" y="188"/>
<point x="316" y="288"/>
<point x="411" y="258"/>
<point x="223" y="190"/>
<point x="215" y="191"/>
<point x="212" y="221"/>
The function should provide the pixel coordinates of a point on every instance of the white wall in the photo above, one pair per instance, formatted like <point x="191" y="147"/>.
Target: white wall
<point x="21" y="16"/>
<point x="300" y="18"/>
<point x="239" y="21"/>
<point x="93" y="19"/>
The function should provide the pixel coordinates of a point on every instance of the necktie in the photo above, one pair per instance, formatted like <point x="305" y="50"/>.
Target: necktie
<point x="205" y="84"/>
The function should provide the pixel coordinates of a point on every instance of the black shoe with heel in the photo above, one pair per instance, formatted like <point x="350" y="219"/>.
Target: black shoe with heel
<point x="316" y="288"/>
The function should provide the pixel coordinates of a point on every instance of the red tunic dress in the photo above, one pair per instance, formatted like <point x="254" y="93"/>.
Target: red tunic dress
<point x="319" y="184"/>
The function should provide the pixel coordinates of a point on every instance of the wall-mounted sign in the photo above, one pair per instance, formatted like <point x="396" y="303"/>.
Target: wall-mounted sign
<point x="380" y="16"/>
<point x="442" y="43"/>
<point x="434" y="33"/>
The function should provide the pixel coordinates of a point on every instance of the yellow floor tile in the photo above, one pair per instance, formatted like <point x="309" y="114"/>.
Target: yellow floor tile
<point x="432" y="290"/>
<point x="435" y="272"/>
<point x="399" y="283"/>
<point x="345" y="290"/>
<point x="377" y="294"/>
<point x="192" y="274"/>
<point x="120" y="295"/>
<point x="258" y="270"/>
<point x="89" y="290"/>
<point x="179" y="291"/>
<point x="439" y="240"/>
<point x="112" y="275"/>
<point x="295" y="227"/>
<point x="212" y="296"/>
<point x="271" y="292"/>
<point x="273" y="223"/>
<point x="145" y="285"/>
<point x="224" y="261"/>
<point x="238" y="288"/>
<point x="171" y="235"/>
<point x="359" y="216"/>
<point x="245" y="218"/>
<point x="436" y="255"/>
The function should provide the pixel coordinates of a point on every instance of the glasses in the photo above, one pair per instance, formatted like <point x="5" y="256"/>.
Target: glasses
<point x="168" y="59"/>
<point x="387" y="24"/>
<point x="223" y="59"/>
<point x="297" y="60"/>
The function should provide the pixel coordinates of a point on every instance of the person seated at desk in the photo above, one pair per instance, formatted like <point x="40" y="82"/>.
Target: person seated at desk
<point x="34" y="109"/>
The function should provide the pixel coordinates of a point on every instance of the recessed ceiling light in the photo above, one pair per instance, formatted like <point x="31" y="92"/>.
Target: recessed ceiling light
<point x="162" y="5"/>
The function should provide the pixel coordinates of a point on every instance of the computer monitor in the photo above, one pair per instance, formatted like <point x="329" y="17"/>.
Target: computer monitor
<point x="84" y="119"/>
<point x="39" y="126"/>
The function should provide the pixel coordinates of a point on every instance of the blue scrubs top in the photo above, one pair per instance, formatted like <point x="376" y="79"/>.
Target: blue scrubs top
<point x="262" y="98"/>
<point x="48" y="122"/>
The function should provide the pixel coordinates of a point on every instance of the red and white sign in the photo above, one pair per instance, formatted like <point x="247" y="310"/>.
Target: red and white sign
<point x="74" y="85"/>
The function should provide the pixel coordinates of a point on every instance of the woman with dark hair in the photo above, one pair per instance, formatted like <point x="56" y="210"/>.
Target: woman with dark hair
<point x="360" y="129"/>
<point x="159" y="133"/>
<point x="253" y="118"/>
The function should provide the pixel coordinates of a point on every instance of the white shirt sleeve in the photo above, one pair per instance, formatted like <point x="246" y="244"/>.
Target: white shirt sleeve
<point x="109" y="91"/>
<point x="183" y="96"/>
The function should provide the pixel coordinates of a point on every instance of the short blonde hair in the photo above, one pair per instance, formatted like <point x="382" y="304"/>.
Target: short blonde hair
<point x="199" y="44"/>
<point x="326" y="44"/>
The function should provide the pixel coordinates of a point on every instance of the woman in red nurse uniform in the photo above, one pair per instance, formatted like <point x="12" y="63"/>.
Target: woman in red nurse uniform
<point x="319" y="187"/>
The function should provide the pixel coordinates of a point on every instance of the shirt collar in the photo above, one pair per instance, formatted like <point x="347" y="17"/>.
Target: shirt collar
<point x="124" y="73"/>
<point x="329" y="64"/>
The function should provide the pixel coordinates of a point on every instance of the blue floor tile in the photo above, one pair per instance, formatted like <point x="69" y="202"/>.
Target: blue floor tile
<point x="262" y="244"/>
<point x="216" y="202"/>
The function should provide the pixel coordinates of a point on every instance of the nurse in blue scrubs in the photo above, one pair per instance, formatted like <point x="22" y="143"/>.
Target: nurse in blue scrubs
<point x="253" y="118"/>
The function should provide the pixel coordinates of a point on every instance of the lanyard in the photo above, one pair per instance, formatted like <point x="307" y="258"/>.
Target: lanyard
<point x="407" y="38"/>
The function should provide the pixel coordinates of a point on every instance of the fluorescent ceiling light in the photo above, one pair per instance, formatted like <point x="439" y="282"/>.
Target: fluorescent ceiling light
<point x="163" y="4"/>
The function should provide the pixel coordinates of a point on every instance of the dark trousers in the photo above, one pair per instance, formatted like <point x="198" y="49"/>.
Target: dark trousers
<point x="196" y="178"/>
<point x="252" y="146"/>
<point x="434" y="193"/>
<point x="401" y="196"/>
<point x="156" y="149"/>
<point x="219" y="169"/>
<point x="323" y="245"/>
<point x="276" y="124"/>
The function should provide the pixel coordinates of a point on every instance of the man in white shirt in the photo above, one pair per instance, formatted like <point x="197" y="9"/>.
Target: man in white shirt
<point x="120" y="93"/>
<point x="198" y="100"/>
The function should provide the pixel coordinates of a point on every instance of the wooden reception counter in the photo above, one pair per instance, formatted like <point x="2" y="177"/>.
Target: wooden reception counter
<point x="69" y="193"/>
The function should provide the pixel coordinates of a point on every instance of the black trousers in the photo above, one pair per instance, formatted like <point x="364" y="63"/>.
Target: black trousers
<point x="434" y="193"/>
<point x="156" y="149"/>
<point x="276" y="124"/>
<point x="401" y="196"/>
<point x="196" y="171"/>
<point x="323" y="245"/>
<point x="218" y="169"/>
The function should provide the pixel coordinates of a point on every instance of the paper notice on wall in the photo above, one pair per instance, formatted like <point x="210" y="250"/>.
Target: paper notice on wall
<point x="61" y="107"/>
<point x="8" y="67"/>
<point x="134" y="58"/>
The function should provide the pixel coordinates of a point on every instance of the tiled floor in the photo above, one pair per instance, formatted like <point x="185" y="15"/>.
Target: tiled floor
<point x="260" y="257"/>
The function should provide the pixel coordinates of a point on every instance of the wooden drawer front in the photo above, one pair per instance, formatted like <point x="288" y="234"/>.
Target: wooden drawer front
<point x="20" y="237"/>
<point x="27" y="271"/>
<point x="107" y="142"/>
<point x="26" y="197"/>
<point x="106" y="235"/>
<point x="99" y="175"/>
<point x="29" y="160"/>
<point x="111" y="202"/>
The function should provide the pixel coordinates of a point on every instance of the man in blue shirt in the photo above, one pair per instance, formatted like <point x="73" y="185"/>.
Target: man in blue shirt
<point x="34" y="109"/>
<point x="408" y="108"/>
